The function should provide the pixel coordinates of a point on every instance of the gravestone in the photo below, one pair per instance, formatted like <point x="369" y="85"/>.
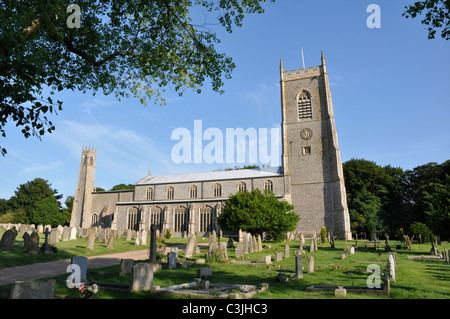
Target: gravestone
<point x="352" y="250"/>
<point x="40" y="228"/>
<point x="267" y="259"/>
<point x="46" y="248"/>
<point x="8" y="239"/>
<point x="66" y="233"/>
<point x="246" y="248"/>
<point x="129" y="234"/>
<point x="175" y="250"/>
<point x="141" y="277"/>
<point x="91" y="239"/>
<point x="204" y="272"/>
<point x="33" y="289"/>
<point x="223" y="251"/>
<point x="302" y="242"/>
<point x="278" y="256"/>
<point x="311" y="245"/>
<point x="286" y="251"/>
<point x="33" y="243"/>
<point x="54" y="237"/>
<point x="259" y="242"/>
<point x="239" y="251"/>
<point x="172" y="260"/>
<point x="340" y="292"/>
<point x="81" y="262"/>
<point x="73" y="233"/>
<point x="190" y="248"/>
<point x="111" y="239"/>
<point x="26" y="240"/>
<point x="126" y="265"/>
<point x="310" y="264"/>
<point x="144" y="237"/>
<point x="391" y="267"/>
<point x="152" y="259"/>
<point x="298" y="266"/>
<point x="138" y="238"/>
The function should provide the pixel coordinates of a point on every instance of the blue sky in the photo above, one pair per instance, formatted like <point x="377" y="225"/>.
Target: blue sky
<point x="390" y="90"/>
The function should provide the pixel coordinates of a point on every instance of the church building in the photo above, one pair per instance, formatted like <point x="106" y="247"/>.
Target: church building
<point x="310" y="178"/>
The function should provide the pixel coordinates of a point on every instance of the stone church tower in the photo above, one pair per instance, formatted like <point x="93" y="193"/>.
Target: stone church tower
<point x="83" y="195"/>
<point x="311" y="158"/>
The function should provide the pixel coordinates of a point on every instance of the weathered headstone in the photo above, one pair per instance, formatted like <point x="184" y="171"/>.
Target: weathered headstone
<point x="298" y="266"/>
<point x="204" y="272"/>
<point x="286" y="251"/>
<point x="278" y="256"/>
<point x="310" y="264"/>
<point x="267" y="259"/>
<point x="172" y="260"/>
<point x="239" y="250"/>
<point x="391" y="267"/>
<point x="311" y="245"/>
<point x="8" y="239"/>
<point x="81" y="262"/>
<point x="54" y="237"/>
<point x="73" y="233"/>
<point x="141" y="277"/>
<point x="111" y="239"/>
<point x="259" y="242"/>
<point x="33" y="289"/>
<point x="190" y="248"/>
<point x="33" y="243"/>
<point x="129" y="234"/>
<point x="340" y="292"/>
<point x="144" y="237"/>
<point x="152" y="259"/>
<point x="91" y="239"/>
<point x="66" y="233"/>
<point x="40" y="228"/>
<point x="26" y="240"/>
<point x="46" y="248"/>
<point x="126" y="265"/>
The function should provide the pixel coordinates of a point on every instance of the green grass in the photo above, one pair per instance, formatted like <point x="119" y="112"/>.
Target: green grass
<point x="425" y="279"/>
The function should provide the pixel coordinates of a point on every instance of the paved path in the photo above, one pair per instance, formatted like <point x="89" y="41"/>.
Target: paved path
<point x="58" y="267"/>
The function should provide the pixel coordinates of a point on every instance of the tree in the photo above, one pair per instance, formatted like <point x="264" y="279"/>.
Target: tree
<point x="46" y="212"/>
<point x="256" y="212"/>
<point x="29" y="194"/>
<point x="120" y="187"/>
<point x="125" y="48"/>
<point x="437" y="16"/>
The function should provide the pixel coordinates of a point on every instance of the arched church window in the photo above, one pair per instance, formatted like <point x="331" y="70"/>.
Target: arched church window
<point x="304" y="105"/>
<point x="217" y="190"/>
<point x="149" y="193"/>
<point x="242" y="187"/>
<point x="205" y="218"/>
<point x="193" y="191"/>
<point x="179" y="217"/>
<point x="156" y="217"/>
<point x="134" y="218"/>
<point x="170" y="192"/>
<point x="268" y="186"/>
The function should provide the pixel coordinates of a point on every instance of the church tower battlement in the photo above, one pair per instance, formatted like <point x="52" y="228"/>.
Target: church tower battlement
<point x="310" y="153"/>
<point x="83" y="195"/>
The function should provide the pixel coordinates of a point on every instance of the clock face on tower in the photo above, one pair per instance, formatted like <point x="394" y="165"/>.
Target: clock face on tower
<point x="306" y="134"/>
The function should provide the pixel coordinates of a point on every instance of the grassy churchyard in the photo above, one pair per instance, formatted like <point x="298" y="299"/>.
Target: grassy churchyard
<point x="415" y="279"/>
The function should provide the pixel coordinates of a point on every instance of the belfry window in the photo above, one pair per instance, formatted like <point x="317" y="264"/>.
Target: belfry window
<point x="304" y="105"/>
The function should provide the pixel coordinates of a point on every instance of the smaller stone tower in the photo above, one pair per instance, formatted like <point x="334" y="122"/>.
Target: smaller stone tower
<point x="81" y="212"/>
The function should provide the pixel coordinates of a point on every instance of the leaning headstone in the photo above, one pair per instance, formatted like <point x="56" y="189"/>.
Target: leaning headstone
<point x="298" y="266"/>
<point x="33" y="290"/>
<point x="172" y="260"/>
<point x="8" y="240"/>
<point x="126" y="265"/>
<point x="391" y="267"/>
<point x="141" y="277"/>
<point x="111" y="239"/>
<point x="310" y="264"/>
<point x="81" y="262"/>
<point x="190" y="248"/>
<point x="91" y="239"/>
